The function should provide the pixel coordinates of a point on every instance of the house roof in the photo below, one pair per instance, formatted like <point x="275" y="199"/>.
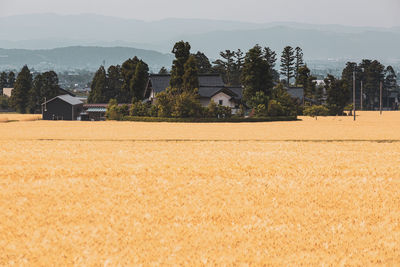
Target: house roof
<point x="68" y="99"/>
<point x="160" y="82"/>
<point x="296" y="92"/>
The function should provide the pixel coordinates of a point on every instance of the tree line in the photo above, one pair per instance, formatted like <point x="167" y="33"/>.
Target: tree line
<point x="30" y="92"/>
<point x="254" y="70"/>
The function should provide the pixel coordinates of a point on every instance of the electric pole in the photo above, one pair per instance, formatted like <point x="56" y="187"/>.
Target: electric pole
<point x="380" y="97"/>
<point x="361" y="98"/>
<point x="354" y="95"/>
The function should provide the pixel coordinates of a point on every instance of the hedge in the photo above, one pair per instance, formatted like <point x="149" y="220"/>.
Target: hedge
<point x="232" y="119"/>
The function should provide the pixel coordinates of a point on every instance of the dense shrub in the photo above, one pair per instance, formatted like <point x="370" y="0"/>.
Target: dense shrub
<point x="314" y="111"/>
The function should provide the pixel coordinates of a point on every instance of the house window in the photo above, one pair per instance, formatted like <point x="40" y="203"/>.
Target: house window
<point x="221" y="102"/>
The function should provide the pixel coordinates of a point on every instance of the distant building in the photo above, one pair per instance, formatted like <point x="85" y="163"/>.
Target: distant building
<point x="7" y="91"/>
<point x="62" y="107"/>
<point x="94" y="112"/>
<point x="211" y="88"/>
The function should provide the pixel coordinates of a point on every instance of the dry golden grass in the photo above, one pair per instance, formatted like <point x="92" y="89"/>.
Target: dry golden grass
<point x="112" y="193"/>
<point x="6" y="117"/>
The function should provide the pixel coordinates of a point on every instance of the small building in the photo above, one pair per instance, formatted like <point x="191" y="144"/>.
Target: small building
<point x="211" y="88"/>
<point x="94" y="112"/>
<point x="7" y="91"/>
<point x="62" y="107"/>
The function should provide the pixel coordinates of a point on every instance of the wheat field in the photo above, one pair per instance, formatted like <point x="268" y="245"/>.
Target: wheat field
<point x="322" y="192"/>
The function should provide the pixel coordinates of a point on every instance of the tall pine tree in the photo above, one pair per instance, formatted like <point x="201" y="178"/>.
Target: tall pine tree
<point x="299" y="61"/>
<point x="288" y="63"/>
<point x="190" y="77"/>
<point x="19" y="96"/>
<point x="182" y="52"/>
<point x="98" y="87"/>
<point x="256" y="76"/>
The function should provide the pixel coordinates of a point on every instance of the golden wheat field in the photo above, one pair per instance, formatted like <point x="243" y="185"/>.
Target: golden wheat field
<point x="322" y="192"/>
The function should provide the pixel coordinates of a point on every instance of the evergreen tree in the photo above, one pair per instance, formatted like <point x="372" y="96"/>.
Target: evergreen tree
<point x="226" y="65"/>
<point x="11" y="79"/>
<point x="230" y="66"/>
<point x="3" y="82"/>
<point x="372" y="76"/>
<point x="287" y="63"/>
<point x="114" y="83"/>
<point x="307" y="81"/>
<point x="190" y="77"/>
<point x="44" y="86"/>
<point x="256" y="75"/>
<point x="390" y="78"/>
<point x="270" y="57"/>
<point x="139" y="80"/>
<point x="128" y="73"/>
<point x="19" y="96"/>
<point x="338" y="96"/>
<point x="98" y="87"/>
<point x="299" y="60"/>
<point x="203" y="63"/>
<point x="163" y="70"/>
<point x="182" y="52"/>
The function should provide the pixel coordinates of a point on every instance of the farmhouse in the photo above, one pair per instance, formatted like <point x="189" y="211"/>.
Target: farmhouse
<point x="62" y="107"/>
<point x="211" y="88"/>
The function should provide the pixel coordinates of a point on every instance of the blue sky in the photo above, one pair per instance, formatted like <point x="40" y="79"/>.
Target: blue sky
<point x="380" y="13"/>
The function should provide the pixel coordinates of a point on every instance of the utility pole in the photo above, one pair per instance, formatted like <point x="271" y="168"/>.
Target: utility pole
<point x="361" y="98"/>
<point x="380" y="97"/>
<point x="354" y="95"/>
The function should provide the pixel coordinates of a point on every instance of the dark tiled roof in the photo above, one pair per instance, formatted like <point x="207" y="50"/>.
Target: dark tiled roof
<point x="68" y="99"/>
<point x="296" y="92"/>
<point x="238" y="91"/>
<point x="160" y="82"/>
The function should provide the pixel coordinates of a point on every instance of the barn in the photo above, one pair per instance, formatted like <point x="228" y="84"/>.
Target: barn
<point x="62" y="107"/>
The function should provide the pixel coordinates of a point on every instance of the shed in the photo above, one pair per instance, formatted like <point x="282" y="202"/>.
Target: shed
<point x="62" y="107"/>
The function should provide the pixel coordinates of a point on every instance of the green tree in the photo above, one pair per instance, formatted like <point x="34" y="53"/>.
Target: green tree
<point x="230" y="66"/>
<point x="307" y="81"/>
<point x="390" y="78"/>
<point x="338" y="95"/>
<point x="128" y="70"/>
<point x="372" y="76"/>
<point x="163" y="70"/>
<point x="299" y="61"/>
<point x="190" y="77"/>
<point x="3" y="81"/>
<point x="288" y="63"/>
<point x="256" y="75"/>
<point x="19" y="96"/>
<point x="181" y="51"/>
<point x="203" y="63"/>
<point x="270" y="57"/>
<point x="114" y="83"/>
<point x="11" y="79"/>
<point x="98" y="87"/>
<point x="45" y="86"/>
<point x="139" y="81"/>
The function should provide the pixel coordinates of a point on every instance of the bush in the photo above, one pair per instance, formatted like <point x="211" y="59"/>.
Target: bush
<point x="4" y="102"/>
<point x="210" y="120"/>
<point x="139" y="109"/>
<point x="315" y="111"/>
<point x="275" y="109"/>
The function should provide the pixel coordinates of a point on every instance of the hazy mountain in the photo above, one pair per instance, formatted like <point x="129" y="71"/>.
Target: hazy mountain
<point x="46" y="31"/>
<point x="79" y="57"/>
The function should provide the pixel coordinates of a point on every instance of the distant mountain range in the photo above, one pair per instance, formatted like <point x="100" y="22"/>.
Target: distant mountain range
<point x="79" y="57"/>
<point x="49" y="31"/>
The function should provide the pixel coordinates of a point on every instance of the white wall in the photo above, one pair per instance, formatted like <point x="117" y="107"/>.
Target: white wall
<point x="225" y="100"/>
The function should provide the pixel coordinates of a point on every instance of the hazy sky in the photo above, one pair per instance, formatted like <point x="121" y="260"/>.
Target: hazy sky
<point x="384" y="13"/>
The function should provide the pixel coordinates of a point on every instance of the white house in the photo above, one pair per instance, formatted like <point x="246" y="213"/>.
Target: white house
<point x="211" y="88"/>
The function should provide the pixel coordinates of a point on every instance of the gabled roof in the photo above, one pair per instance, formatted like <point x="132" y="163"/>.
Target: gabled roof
<point x="160" y="82"/>
<point x="66" y="98"/>
<point x="296" y="92"/>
